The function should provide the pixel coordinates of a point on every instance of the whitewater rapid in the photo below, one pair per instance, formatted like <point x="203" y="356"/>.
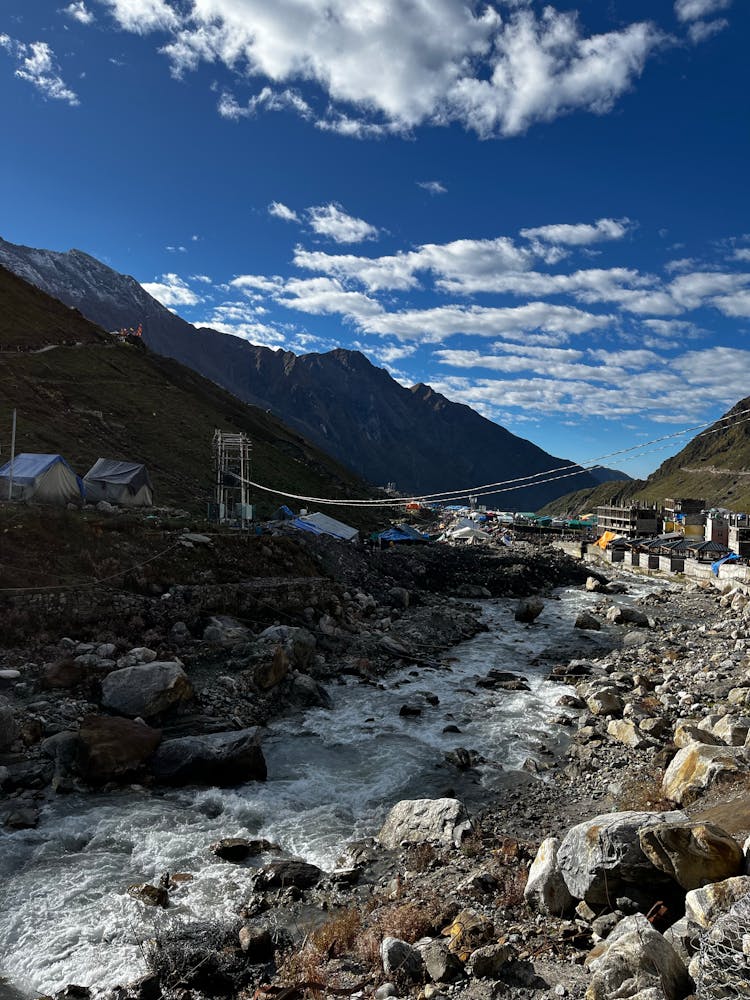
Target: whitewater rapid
<point x="65" y="915"/>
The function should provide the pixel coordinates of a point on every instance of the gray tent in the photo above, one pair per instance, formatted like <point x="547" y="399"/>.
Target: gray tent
<point x="41" y="479"/>
<point x="126" y="484"/>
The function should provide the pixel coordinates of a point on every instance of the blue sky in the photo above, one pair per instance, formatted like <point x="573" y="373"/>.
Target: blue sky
<point x="541" y="210"/>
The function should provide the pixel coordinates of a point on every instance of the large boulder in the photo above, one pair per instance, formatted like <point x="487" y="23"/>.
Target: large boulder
<point x="222" y="759"/>
<point x="424" y="821"/>
<point x="146" y="689"/>
<point x="635" y="958"/>
<point x="601" y="858"/>
<point x="696" y="767"/>
<point x="692" y="853"/>
<point x="529" y="609"/>
<point x="546" y="891"/>
<point x="624" y="615"/>
<point x="111" y="747"/>
<point x="586" y="620"/>
<point x="704" y="905"/>
<point x="298" y="643"/>
<point x="8" y="728"/>
<point x="401" y="958"/>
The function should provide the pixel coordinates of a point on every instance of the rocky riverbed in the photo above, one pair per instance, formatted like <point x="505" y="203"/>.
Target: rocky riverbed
<point x="446" y="901"/>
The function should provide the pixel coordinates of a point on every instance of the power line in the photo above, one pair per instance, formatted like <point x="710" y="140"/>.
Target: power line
<point x="507" y="485"/>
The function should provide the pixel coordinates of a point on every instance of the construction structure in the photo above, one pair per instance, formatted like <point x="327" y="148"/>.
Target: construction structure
<point x="232" y="453"/>
<point x="629" y="520"/>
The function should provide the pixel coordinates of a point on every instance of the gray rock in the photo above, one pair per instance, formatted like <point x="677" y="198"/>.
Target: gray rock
<point x="635" y="952"/>
<point x="385" y="991"/>
<point x="684" y="938"/>
<point x="420" y="821"/>
<point x="399" y="957"/>
<point x="306" y="692"/>
<point x="140" y="654"/>
<point x="281" y="874"/>
<point x="63" y="749"/>
<point x="487" y="962"/>
<point x="694" y="854"/>
<point x="703" y="906"/>
<point x="529" y="609"/>
<point x="586" y="620"/>
<point x="546" y="891"/>
<point x="147" y="689"/>
<point x="298" y="644"/>
<point x="8" y="728"/>
<point x="601" y="858"/>
<point x="441" y="965"/>
<point x="226" y="631"/>
<point x="624" y="615"/>
<point x="222" y="759"/>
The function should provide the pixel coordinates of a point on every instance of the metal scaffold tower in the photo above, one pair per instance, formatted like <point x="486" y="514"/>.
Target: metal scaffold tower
<point x="232" y="454"/>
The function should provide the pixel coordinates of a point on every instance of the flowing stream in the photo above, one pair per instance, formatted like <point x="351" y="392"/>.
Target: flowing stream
<point x="65" y="915"/>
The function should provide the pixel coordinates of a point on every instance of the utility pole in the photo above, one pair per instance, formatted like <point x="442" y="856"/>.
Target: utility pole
<point x="12" y="457"/>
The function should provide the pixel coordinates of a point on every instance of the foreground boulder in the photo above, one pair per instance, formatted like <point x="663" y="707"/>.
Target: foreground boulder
<point x="635" y="958"/>
<point x="694" y="854"/>
<point x="222" y="759"/>
<point x="696" y="767"/>
<point x="601" y="858"/>
<point x="546" y="891"/>
<point x="703" y="906"/>
<point x="111" y="747"/>
<point x="146" y="689"/>
<point x="424" y="821"/>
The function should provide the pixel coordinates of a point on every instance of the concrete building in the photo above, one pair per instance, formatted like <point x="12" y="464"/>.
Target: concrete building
<point x="630" y="520"/>
<point x="739" y="534"/>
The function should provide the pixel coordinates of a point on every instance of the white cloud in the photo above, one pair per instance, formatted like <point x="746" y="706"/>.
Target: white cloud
<point x="742" y="254"/>
<point x="37" y="66"/>
<point x="435" y="325"/>
<point x="433" y="187"/>
<point x="79" y="12"/>
<point x="176" y="249"/>
<point x="172" y="290"/>
<point x="701" y="31"/>
<point x="143" y="16"/>
<point x="281" y="211"/>
<point x="392" y="65"/>
<point x="267" y="99"/>
<point x="736" y="305"/>
<point x="332" y="221"/>
<point x="691" y="10"/>
<point x="204" y="279"/>
<point x="579" y="234"/>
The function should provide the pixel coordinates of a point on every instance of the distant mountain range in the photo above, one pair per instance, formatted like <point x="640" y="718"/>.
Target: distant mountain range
<point x="348" y="407"/>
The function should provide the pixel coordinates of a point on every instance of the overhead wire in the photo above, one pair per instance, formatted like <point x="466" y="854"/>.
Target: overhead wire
<point x="507" y="485"/>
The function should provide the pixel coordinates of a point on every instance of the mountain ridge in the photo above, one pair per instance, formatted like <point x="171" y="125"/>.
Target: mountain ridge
<point x="339" y="400"/>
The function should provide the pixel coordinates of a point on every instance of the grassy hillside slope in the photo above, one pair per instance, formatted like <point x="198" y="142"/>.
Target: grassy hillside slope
<point x="121" y="401"/>
<point x="714" y="465"/>
<point x="33" y="321"/>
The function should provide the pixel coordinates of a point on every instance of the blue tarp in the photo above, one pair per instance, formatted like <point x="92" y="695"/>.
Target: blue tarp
<point x="306" y="526"/>
<point x="30" y="470"/>
<point x="732" y="557"/>
<point x="403" y="533"/>
<point x="27" y="467"/>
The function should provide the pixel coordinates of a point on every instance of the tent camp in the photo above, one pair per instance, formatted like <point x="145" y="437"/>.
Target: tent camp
<point x="126" y="484"/>
<point x="322" y="524"/>
<point x="41" y="479"/>
<point x="401" y="533"/>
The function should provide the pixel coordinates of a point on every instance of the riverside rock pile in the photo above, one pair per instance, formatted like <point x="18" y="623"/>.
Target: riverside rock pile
<point x="615" y="871"/>
<point x="637" y="887"/>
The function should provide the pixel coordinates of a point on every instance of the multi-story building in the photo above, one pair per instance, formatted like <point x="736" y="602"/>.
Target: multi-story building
<point x="739" y="534"/>
<point x="629" y="520"/>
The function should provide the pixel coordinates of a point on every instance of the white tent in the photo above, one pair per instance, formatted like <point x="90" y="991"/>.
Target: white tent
<point x="40" y="478"/>
<point x="126" y="484"/>
<point x="469" y="535"/>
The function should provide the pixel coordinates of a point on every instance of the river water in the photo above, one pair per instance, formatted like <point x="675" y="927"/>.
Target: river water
<point x="65" y="915"/>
